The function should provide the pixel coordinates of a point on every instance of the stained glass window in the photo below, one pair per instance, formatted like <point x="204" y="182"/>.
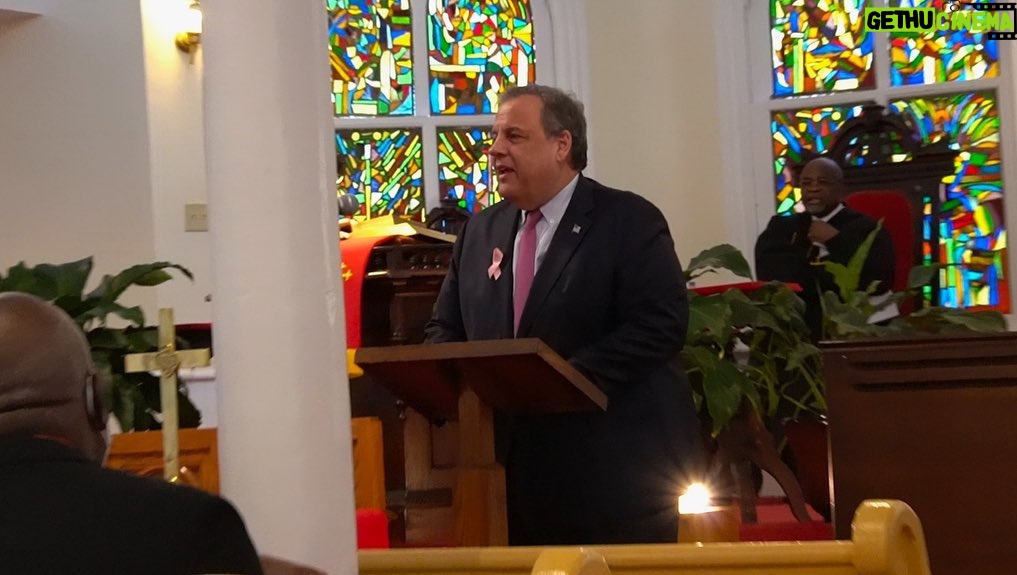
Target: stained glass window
<point x="819" y="46"/>
<point x="371" y="56"/>
<point x="383" y="169"/>
<point x="463" y="169"/>
<point x="942" y="56"/>
<point x="971" y="226"/>
<point x="476" y="49"/>
<point x="794" y="131"/>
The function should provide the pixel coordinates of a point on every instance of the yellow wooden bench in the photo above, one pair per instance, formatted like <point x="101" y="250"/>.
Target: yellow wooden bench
<point x="886" y="539"/>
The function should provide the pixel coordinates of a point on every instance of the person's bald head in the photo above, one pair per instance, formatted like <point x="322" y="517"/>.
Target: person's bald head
<point x="45" y="367"/>
<point x="822" y="184"/>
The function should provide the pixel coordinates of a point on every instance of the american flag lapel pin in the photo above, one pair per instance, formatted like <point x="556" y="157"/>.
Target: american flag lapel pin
<point x="576" y="228"/>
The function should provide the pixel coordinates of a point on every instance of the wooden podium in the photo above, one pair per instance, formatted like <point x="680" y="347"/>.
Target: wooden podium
<point x="465" y="382"/>
<point x="931" y="422"/>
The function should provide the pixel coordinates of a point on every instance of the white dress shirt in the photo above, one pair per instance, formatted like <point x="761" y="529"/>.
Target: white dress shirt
<point x="553" y="211"/>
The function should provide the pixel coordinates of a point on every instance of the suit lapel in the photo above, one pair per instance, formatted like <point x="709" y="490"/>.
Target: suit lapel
<point x="503" y="231"/>
<point x="570" y="233"/>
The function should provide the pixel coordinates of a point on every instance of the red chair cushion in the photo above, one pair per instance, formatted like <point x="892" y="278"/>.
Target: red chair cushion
<point x="895" y="211"/>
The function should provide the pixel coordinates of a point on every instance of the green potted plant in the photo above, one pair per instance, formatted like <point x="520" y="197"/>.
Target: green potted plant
<point x="745" y="347"/>
<point x="750" y="363"/>
<point x="748" y="354"/>
<point x="133" y="397"/>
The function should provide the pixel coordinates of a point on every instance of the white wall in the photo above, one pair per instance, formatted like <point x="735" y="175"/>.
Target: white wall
<point x="655" y="119"/>
<point x="86" y="170"/>
<point x="74" y="168"/>
<point x="177" y="150"/>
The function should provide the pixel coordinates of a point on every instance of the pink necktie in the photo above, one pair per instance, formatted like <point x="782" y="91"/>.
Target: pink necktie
<point x="525" y="264"/>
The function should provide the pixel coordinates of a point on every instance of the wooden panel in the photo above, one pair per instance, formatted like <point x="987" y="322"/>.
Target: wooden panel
<point x="930" y="422"/>
<point x="140" y="452"/>
<point x="368" y="463"/>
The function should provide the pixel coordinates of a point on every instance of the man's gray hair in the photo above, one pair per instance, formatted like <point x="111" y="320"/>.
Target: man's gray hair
<point x="561" y="112"/>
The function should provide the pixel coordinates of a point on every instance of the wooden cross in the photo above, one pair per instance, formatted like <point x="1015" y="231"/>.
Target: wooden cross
<point x="168" y="361"/>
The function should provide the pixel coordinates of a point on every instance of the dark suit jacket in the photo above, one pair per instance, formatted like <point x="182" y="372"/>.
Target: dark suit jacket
<point x="60" y="513"/>
<point x="784" y="253"/>
<point x="610" y="297"/>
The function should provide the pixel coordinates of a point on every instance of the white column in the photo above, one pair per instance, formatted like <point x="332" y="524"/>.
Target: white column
<point x="284" y="415"/>
<point x="569" y="47"/>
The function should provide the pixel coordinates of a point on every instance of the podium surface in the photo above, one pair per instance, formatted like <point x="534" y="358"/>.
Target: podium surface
<point x="466" y="381"/>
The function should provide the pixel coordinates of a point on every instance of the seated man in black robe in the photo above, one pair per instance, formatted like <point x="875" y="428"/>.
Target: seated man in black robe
<point x="793" y="247"/>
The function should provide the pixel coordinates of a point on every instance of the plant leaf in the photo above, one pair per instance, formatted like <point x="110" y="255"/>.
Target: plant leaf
<point x="846" y="321"/>
<point x="131" y="314"/>
<point x="980" y="321"/>
<point x="125" y="401"/>
<point x="49" y="281"/>
<point x="802" y="354"/>
<point x="724" y="386"/>
<point x="848" y="277"/>
<point x="66" y="279"/>
<point x="153" y="278"/>
<point x="945" y="320"/>
<point x="142" y="340"/>
<point x="709" y="318"/>
<point x="107" y="338"/>
<point x="921" y="276"/>
<point x="100" y="309"/>
<point x="719" y="257"/>
<point x="112" y="287"/>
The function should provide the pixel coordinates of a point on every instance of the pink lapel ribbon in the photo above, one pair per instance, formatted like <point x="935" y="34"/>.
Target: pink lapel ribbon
<point x="494" y="271"/>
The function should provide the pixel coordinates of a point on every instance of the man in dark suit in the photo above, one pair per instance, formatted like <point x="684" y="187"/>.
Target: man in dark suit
<point x="60" y="510"/>
<point x="792" y="248"/>
<point x="592" y="272"/>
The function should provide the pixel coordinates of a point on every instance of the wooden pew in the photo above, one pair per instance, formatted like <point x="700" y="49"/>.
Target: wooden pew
<point x="887" y="539"/>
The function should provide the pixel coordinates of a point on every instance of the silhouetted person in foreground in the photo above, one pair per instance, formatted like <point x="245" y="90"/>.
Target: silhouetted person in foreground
<point x="60" y="510"/>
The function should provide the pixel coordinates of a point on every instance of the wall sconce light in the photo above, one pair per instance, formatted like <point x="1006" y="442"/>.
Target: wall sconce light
<point x="189" y="38"/>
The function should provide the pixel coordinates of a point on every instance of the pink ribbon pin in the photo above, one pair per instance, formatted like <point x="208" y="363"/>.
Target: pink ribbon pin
<point x="494" y="272"/>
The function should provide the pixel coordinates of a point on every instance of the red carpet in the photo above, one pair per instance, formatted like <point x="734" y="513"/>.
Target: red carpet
<point x="776" y="523"/>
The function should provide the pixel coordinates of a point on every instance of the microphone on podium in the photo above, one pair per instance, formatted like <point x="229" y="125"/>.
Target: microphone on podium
<point x="348" y="205"/>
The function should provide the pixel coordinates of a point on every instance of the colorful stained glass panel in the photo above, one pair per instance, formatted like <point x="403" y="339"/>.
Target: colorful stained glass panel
<point x="477" y="49"/>
<point x="941" y="56"/>
<point x="819" y="46"/>
<point x="971" y="225"/>
<point x="464" y="172"/>
<point x="794" y="132"/>
<point x="371" y="56"/>
<point x="383" y="169"/>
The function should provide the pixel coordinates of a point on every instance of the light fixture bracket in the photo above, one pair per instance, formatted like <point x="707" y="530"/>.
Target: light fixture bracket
<point x="188" y="39"/>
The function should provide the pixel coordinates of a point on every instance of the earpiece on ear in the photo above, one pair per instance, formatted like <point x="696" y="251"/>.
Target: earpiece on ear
<point x="94" y="406"/>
